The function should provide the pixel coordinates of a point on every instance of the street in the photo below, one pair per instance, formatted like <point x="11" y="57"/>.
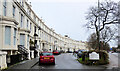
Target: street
<point x="113" y="58"/>
<point x="80" y="32"/>
<point x="66" y="61"/>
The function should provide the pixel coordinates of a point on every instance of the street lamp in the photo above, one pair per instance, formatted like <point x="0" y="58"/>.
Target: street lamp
<point x="98" y="25"/>
<point x="119" y="25"/>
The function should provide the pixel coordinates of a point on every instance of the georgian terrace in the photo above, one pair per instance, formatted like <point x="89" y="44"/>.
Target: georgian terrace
<point x="19" y="25"/>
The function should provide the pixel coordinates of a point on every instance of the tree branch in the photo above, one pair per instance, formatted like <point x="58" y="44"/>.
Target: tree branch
<point x="112" y="22"/>
<point x="104" y="21"/>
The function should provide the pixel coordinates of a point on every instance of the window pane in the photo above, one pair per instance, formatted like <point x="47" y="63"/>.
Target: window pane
<point x="4" y="11"/>
<point x="21" y="21"/>
<point x="13" y="11"/>
<point x="30" y="26"/>
<point x="7" y="35"/>
<point x="14" y="36"/>
<point x="35" y="29"/>
<point x="22" y="39"/>
<point x="4" y="7"/>
<point x="28" y="41"/>
<point x="27" y="23"/>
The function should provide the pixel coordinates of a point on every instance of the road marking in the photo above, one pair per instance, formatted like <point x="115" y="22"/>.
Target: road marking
<point x="43" y="67"/>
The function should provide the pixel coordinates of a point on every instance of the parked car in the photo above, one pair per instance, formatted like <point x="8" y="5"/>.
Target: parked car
<point x="61" y="51"/>
<point x="56" y="52"/>
<point x="79" y="54"/>
<point x="69" y="52"/>
<point x="76" y="52"/>
<point x="47" y="57"/>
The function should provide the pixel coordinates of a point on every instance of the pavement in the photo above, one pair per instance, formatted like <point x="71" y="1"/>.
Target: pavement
<point x="27" y="64"/>
<point x="114" y="60"/>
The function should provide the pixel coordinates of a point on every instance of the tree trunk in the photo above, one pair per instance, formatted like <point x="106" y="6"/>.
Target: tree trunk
<point x="98" y="39"/>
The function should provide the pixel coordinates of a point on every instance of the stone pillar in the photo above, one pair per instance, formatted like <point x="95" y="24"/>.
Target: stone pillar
<point x="41" y="47"/>
<point x="29" y="54"/>
<point x="11" y="52"/>
<point x="25" y="42"/>
<point x="47" y="47"/>
<point x="3" y="63"/>
<point x="32" y="54"/>
<point x="58" y="48"/>
<point x="52" y="48"/>
<point x="64" y="49"/>
<point x="38" y="53"/>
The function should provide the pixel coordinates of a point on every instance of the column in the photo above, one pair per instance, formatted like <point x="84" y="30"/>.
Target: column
<point x="38" y="53"/>
<point x="11" y="53"/>
<point x="25" y="41"/>
<point x="29" y="55"/>
<point x="32" y="54"/>
<point x="41" y="46"/>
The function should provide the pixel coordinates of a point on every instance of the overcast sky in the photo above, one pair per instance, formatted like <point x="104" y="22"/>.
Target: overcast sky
<point x="66" y="17"/>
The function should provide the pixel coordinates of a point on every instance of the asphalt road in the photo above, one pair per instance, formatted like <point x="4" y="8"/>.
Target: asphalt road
<point x="66" y="61"/>
<point x="114" y="60"/>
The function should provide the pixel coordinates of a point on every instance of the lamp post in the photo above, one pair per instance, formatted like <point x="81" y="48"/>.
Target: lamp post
<point x="98" y="25"/>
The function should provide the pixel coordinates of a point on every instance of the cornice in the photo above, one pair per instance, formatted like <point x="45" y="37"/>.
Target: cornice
<point x="25" y="30"/>
<point x="4" y="18"/>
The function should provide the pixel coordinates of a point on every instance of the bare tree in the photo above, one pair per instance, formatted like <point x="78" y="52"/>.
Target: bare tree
<point x="98" y="18"/>
<point x="92" y="42"/>
<point x="108" y="34"/>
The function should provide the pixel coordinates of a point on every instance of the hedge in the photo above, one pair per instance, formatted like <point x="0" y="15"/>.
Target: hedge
<point x="104" y="58"/>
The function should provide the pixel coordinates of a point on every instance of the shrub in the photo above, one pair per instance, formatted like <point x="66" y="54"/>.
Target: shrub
<point x="104" y="58"/>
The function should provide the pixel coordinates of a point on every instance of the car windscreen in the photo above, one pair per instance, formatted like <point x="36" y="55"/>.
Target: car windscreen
<point x="79" y="52"/>
<point x="55" y="51"/>
<point x="46" y="54"/>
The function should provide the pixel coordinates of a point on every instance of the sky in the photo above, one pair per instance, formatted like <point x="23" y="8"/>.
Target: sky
<point x="66" y="17"/>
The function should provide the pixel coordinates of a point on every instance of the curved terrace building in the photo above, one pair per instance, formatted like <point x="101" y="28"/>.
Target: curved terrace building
<point x="22" y="31"/>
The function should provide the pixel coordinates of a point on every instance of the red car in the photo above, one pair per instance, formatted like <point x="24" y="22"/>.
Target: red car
<point x="56" y="52"/>
<point x="47" y="57"/>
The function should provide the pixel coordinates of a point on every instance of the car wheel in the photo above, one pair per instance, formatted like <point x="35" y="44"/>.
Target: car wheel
<point x="40" y="63"/>
<point x="53" y="63"/>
